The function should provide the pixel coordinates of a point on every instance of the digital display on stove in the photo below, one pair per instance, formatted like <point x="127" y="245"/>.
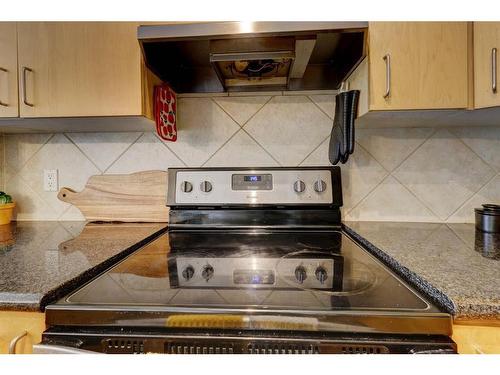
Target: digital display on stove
<point x="252" y="181"/>
<point x="253" y="277"/>
<point x="252" y="178"/>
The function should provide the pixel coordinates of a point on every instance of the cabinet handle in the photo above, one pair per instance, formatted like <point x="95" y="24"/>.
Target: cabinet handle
<point x="25" y="100"/>
<point x="494" y="70"/>
<point x="2" y="103"/>
<point x="387" y="59"/>
<point x="14" y="341"/>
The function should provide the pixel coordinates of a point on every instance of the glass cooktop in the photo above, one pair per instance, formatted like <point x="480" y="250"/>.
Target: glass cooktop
<point x="305" y="271"/>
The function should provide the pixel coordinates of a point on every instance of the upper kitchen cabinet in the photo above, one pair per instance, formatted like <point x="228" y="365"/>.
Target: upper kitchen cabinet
<point x="8" y="70"/>
<point x="418" y="65"/>
<point x="74" y="69"/>
<point x="486" y="50"/>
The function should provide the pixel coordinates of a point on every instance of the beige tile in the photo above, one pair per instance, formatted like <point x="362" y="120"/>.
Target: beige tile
<point x="241" y="151"/>
<point x="242" y="108"/>
<point x="202" y="129"/>
<point x="289" y="127"/>
<point x="103" y="148"/>
<point x="490" y="193"/>
<point x="73" y="167"/>
<point x="29" y="205"/>
<point x="72" y="213"/>
<point x="19" y="148"/>
<point x="256" y="93"/>
<point x="147" y="153"/>
<point x="360" y="174"/>
<point x="391" y="201"/>
<point x="326" y="103"/>
<point x="391" y="146"/>
<point x="443" y="173"/>
<point x="485" y="141"/>
<point x="202" y="95"/>
<point x="310" y="92"/>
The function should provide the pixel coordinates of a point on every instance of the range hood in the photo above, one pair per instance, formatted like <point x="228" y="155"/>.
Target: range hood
<point x="253" y="56"/>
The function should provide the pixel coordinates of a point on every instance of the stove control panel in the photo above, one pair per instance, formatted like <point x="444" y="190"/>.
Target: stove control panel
<point x="246" y="186"/>
<point x="202" y="272"/>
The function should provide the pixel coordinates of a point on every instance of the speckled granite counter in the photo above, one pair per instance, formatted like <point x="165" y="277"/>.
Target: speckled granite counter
<point x="457" y="268"/>
<point x="42" y="261"/>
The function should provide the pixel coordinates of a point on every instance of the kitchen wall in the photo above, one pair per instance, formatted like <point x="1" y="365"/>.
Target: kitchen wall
<point x="400" y="174"/>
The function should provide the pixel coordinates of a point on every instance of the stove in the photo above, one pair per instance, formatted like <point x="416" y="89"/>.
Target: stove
<point x="254" y="261"/>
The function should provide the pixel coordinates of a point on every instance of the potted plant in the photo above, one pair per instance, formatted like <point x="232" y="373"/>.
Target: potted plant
<point x="6" y="208"/>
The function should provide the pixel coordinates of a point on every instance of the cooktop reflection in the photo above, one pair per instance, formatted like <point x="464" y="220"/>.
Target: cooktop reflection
<point x="301" y="271"/>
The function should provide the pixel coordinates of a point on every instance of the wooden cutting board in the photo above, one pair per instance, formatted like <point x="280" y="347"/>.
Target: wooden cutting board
<point x="136" y="197"/>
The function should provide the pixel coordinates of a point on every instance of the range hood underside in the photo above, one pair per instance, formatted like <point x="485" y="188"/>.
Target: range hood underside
<point x="185" y="63"/>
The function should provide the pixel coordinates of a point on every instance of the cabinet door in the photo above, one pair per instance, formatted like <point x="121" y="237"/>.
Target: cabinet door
<point x="8" y="70"/>
<point x="428" y="65"/>
<point x="79" y="69"/>
<point x="486" y="39"/>
<point x="14" y="323"/>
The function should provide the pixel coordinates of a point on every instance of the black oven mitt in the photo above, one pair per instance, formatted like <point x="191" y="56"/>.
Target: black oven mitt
<point x="342" y="136"/>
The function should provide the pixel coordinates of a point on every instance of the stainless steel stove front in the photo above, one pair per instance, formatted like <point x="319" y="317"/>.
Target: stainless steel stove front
<point x="268" y="271"/>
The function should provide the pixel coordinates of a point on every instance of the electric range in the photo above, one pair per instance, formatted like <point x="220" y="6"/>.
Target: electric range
<point x="254" y="261"/>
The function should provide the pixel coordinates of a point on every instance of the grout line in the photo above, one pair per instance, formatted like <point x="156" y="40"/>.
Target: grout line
<point x="472" y="150"/>
<point x="225" y="143"/>
<point x="39" y="195"/>
<point x="315" y="148"/>
<point x="260" y="109"/>
<point x="321" y="109"/>
<point x="255" y="114"/>
<point x="368" y="194"/>
<point x="124" y="151"/>
<point x="255" y="140"/>
<point x="467" y="200"/>
<point x="409" y="155"/>
<point x="31" y="157"/>
<point x="79" y="149"/>
<point x="169" y="149"/>
<point x="418" y="199"/>
<point x="449" y="130"/>
<point x="252" y="116"/>
<point x="245" y="131"/>
<point x="376" y="186"/>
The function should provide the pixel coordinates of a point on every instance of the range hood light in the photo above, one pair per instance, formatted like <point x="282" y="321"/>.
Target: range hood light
<point x="246" y="26"/>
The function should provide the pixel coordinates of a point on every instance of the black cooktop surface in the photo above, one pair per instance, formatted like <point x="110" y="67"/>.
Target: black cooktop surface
<point x="251" y="270"/>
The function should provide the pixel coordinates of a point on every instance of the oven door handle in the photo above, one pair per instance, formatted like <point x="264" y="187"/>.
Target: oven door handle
<point x="58" y="349"/>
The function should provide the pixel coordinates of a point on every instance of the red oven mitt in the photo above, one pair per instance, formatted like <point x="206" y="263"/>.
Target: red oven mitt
<point x="165" y="107"/>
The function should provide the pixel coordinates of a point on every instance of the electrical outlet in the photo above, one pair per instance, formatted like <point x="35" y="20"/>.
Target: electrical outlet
<point x="50" y="180"/>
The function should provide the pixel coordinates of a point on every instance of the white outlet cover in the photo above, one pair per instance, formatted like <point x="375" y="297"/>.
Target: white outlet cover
<point x="50" y="180"/>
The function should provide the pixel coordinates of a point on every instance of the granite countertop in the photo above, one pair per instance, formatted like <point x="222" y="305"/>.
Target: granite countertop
<point x="42" y="261"/>
<point x="452" y="264"/>
<point x="457" y="267"/>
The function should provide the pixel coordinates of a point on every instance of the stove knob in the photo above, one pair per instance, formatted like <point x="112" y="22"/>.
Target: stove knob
<point x="186" y="186"/>
<point x="206" y="187"/>
<point x="321" y="274"/>
<point x="300" y="274"/>
<point x="188" y="273"/>
<point x="208" y="272"/>
<point x="299" y="186"/>
<point x="319" y="186"/>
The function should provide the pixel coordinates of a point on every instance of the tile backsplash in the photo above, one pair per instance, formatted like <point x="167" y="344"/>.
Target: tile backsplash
<point x="395" y="174"/>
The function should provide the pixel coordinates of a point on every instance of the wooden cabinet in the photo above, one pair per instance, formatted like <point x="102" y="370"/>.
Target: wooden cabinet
<point x="486" y="64"/>
<point x="79" y="69"/>
<point x="477" y="337"/>
<point x="14" y="323"/>
<point x="418" y="65"/>
<point x="8" y="70"/>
